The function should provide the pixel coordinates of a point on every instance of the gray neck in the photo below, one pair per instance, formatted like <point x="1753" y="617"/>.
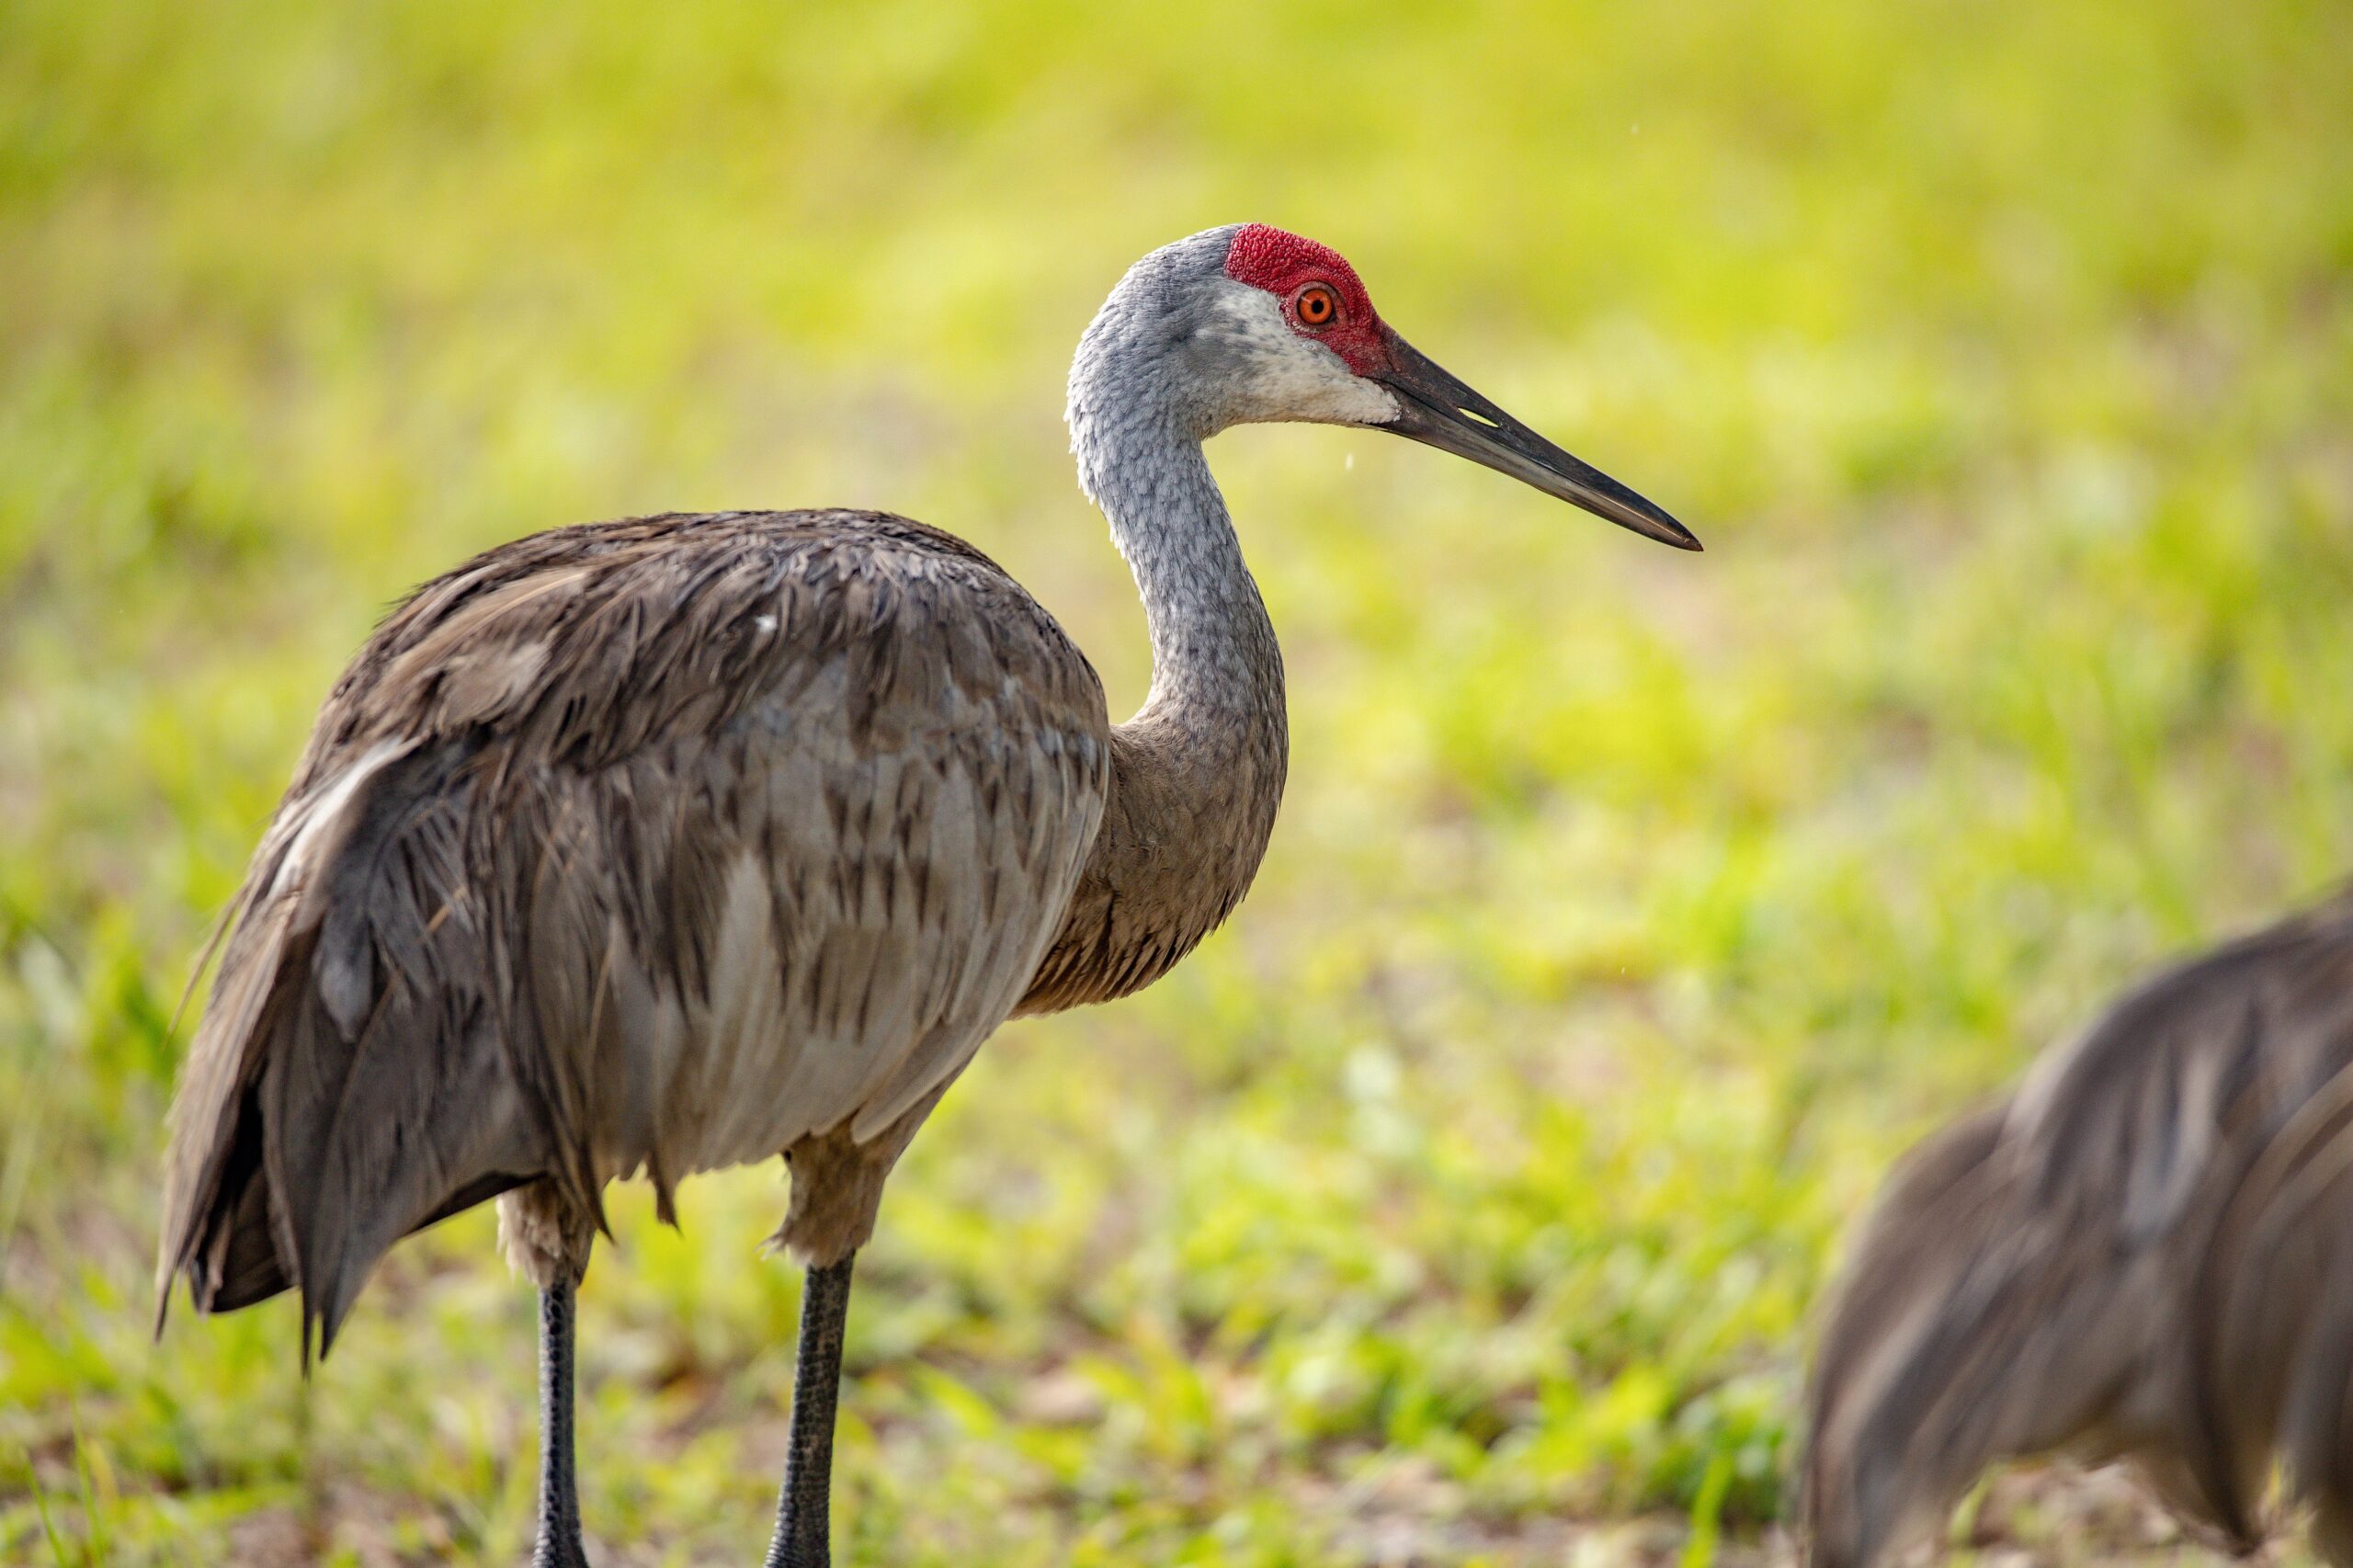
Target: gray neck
<point x="1196" y="776"/>
<point x="1213" y="650"/>
<point x="1217" y="673"/>
<point x="1199" y="771"/>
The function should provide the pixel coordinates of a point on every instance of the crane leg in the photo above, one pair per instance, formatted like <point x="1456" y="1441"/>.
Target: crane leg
<point x="803" y="1536"/>
<point x="559" y="1544"/>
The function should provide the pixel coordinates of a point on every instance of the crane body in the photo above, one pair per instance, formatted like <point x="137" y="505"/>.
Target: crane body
<point x="678" y="843"/>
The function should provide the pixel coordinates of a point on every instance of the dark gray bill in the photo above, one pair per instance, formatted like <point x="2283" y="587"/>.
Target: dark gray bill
<point x="1439" y="411"/>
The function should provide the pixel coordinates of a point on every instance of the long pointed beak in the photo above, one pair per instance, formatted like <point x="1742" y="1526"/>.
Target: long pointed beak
<point x="1439" y="410"/>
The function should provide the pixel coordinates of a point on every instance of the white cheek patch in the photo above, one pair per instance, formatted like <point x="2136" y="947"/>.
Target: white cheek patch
<point x="1289" y="377"/>
<point x="1353" y="400"/>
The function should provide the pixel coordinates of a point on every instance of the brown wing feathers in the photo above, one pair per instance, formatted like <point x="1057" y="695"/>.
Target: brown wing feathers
<point x="2146" y="1253"/>
<point x="580" y="809"/>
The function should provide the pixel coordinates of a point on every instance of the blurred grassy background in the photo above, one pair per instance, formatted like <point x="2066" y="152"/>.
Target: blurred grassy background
<point x="1462" y="1201"/>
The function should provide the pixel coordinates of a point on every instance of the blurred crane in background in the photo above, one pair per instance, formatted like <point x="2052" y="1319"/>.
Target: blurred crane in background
<point x="673" y="844"/>
<point x="2146" y="1253"/>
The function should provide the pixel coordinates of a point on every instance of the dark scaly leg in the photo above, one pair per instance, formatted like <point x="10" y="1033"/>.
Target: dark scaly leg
<point x="559" y="1545"/>
<point x="801" y="1515"/>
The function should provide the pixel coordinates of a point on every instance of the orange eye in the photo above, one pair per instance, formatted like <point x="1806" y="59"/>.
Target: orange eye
<point x="1317" y="305"/>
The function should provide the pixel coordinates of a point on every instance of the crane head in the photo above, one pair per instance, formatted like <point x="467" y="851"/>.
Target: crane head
<point x="1251" y="323"/>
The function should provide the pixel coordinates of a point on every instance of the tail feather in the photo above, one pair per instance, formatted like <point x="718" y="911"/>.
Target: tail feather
<point x="242" y="1253"/>
<point x="216" y="1137"/>
<point x="350" y="1082"/>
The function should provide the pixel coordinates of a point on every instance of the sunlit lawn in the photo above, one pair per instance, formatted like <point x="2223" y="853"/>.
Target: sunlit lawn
<point x="1463" y="1201"/>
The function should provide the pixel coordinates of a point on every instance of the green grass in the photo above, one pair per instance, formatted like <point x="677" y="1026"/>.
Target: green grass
<point x="1463" y="1201"/>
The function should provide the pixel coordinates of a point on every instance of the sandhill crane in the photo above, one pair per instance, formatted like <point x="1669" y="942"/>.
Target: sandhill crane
<point x="2145" y="1253"/>
<point x="676" y="842"/>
